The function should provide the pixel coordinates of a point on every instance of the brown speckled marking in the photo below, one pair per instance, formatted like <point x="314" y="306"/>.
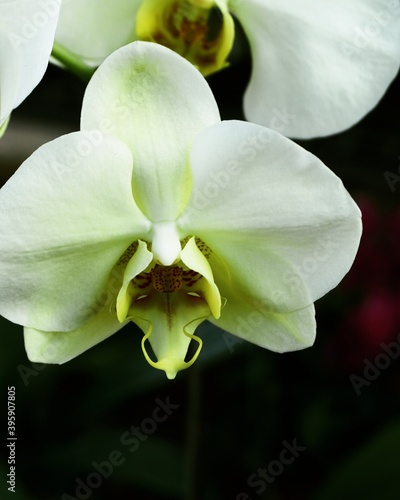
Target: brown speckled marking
<point x="127" y="255"/>
<point x="166" y="278"/>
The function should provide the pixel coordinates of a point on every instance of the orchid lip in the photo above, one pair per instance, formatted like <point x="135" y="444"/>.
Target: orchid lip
<point x="168" y="302"/>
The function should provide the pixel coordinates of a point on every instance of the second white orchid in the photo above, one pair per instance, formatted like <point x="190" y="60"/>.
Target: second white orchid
<point x="159" y="213"/>
<point x="318" y="66"/>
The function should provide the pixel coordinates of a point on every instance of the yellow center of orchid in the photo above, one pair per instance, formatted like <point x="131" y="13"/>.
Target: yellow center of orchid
<point x="168" y="302"/>
<point x="202" y="31"/>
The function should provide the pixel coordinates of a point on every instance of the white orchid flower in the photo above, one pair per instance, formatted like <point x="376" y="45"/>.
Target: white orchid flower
<point x="318" y="66"/>
<point x="157" y="212"/>
<point x="27" y="29"/>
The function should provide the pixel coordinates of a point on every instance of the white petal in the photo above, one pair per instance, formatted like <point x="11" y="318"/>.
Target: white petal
<point x="156" y="102"/>
<point x="27" y="30"/>
<point x="67" y="216"/>
<point x="318" y="67"/>
<point x="60" y="347"/>
<point x="273" y="213"/>
<point x="253" y="320"/>
<point x="93" y="29"/>
<point x="251" y="267"/>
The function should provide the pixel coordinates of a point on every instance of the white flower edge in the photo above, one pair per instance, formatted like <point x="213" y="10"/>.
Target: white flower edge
<point x="93" y="29"/>
<point x="27" y="29"/>
<point x="318" y="67"/>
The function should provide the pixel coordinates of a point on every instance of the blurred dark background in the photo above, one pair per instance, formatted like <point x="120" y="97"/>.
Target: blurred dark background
<point x="242" y="423"/>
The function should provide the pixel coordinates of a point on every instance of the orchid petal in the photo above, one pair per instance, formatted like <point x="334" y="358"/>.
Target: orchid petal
<point x="67" y="216"/>
<point x="274" y="214"/>
<point x="252" y="319"/>
<point x="256" y="268"/>
<point x="318" y="67"/>
<point x="60" y="347"/>
<point x="156" y="102"/>
<point x="27" y="30"/>
<point x="93" y="29"/>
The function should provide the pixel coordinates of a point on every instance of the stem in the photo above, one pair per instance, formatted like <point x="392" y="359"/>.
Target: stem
<point x="72" y="62"/>
<point x="192" y="434"/>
